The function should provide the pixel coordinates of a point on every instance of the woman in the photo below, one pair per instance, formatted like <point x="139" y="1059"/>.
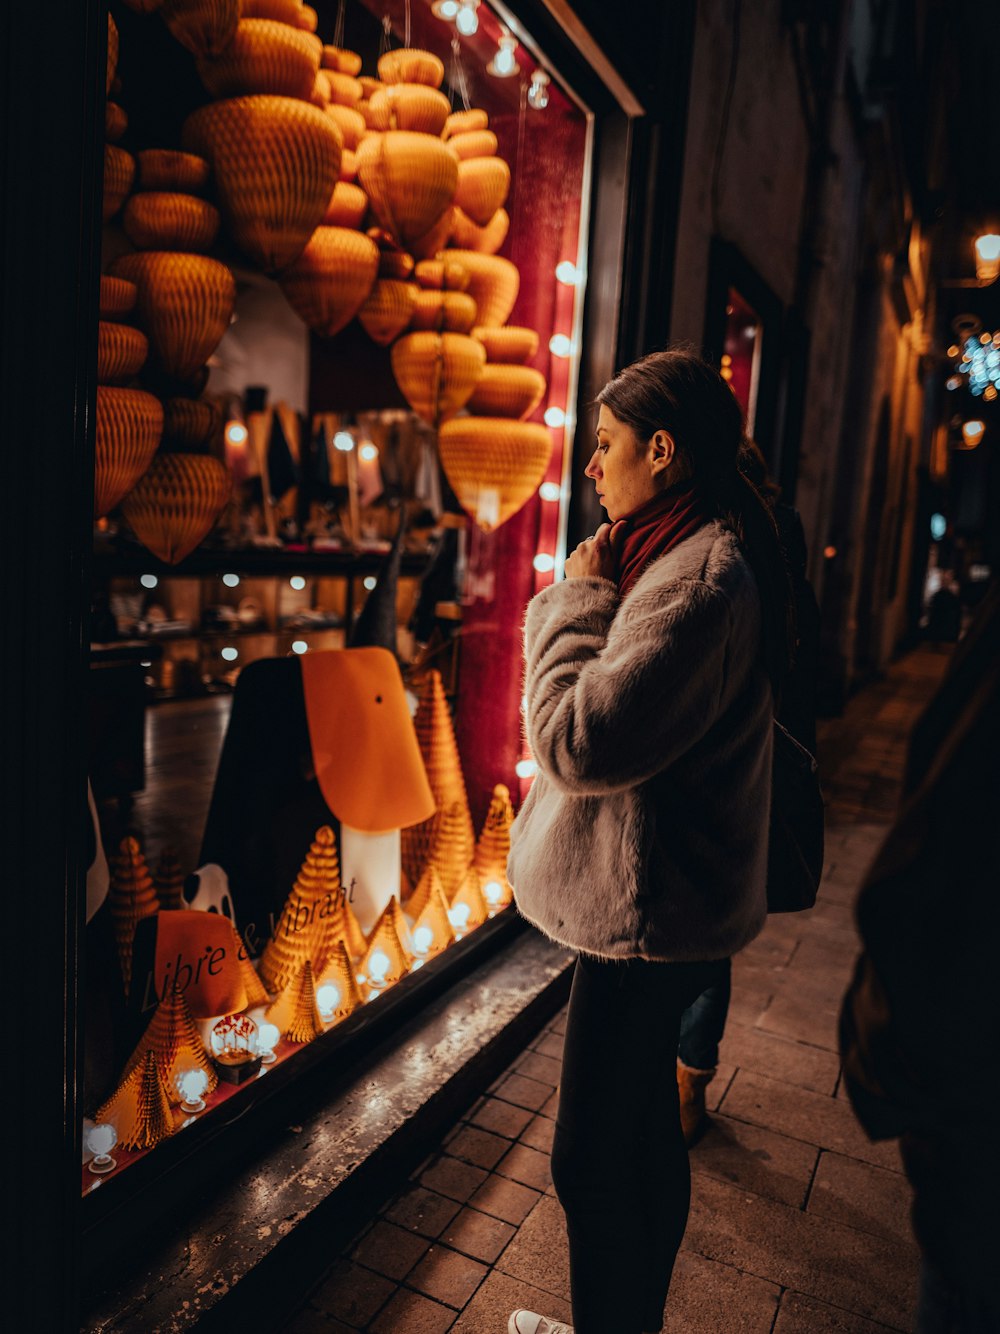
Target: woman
<point x="650" y="680"/>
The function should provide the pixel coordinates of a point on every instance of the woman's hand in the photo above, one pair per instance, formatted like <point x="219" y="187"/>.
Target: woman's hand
<point x="598" y="555"/>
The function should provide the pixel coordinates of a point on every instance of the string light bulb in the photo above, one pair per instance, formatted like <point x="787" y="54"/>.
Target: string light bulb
<point x="550" y="491"/>
<point x="446" y="9"/>
<point x="538" y="90"/>
<point x="544" y="563"/>
<point x="236" y="433"/>
<point x="378" y="965"/>
<point x="525" y="768"/>
<point x="560" y="345"/>
<point x="101" y="1139"/>
<point x="972" y="433"/>
<point x="368" y="451"/>
<point x="423" y="939"/>
<point x="568" y="273"/>
<point x="268" y="1037"/>
<point x="466" y="19"/>
<point x="192" y="1084"/>
<point x="344" y="441"/>
<point x="555" y="417"/>
<point x="328" y="998"/>
<point x="987" y="257"/>
<point x="504" y="63"/>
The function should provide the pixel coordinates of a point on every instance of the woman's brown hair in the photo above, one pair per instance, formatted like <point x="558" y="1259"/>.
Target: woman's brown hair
<point x="678" y="391"/>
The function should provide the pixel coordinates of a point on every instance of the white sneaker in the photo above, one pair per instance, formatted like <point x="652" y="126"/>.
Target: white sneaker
<point x="529" y="1322"/>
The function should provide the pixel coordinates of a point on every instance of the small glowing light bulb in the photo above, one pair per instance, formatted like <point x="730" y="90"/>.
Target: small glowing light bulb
<point x="525" y="768"/>
<point x="268" y="1037"/>
<point x="299" y="646"/>
<point x="100" y="1141"/>
<point x="368" y="451"/>
<point x="544" y="563"/>
<point x="459" y="915"/>
<point x="378" y="966"/>
<point x="550" y="491"/>
<point x="538" y="90"/>
<point x="192" y="1084"/>
<point x="328" y="998"/>
<point x="297" y="582"/>
<point x="560" y="345"/>
<point x="492" y="891"/>
<point x="231" y="580"/>
<point x="467" y="20"/>
<point x="568" y="273"/>
<point x="236" y="433"/>
<point x="344" y="441"/>
<point x="504" y="63"/>
<point x="369" y="582"/>
<point x="555" y="417"/>
<point x="148" y="580"/>
<point x="939" y="526"/>
<point x="230" y="654"/>
<point x="423" y="939"/>
<point x="445" y="9"/>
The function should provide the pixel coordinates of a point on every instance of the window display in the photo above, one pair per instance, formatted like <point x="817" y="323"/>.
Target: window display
<point x="338" y="354"/>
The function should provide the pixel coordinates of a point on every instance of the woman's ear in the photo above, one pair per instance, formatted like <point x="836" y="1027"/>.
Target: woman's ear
<point x="662" y="451"/>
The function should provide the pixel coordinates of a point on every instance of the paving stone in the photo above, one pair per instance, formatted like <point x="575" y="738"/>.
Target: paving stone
<point x="780" y="1058"/>
<point x="499" y="1295"/>
<point x="526" y="1165"/>
<point x="412" y="1313"/>
<point x="864" y="1197"/>
<point x="825" y="1122"/>
<point x="799" y="1314"/>
<point x="538" y="1134"/>
<point x="558" y="1024"/>
<point x="539" y="1254"/>
<point x="505" y="1199"/>
<point x="551" y="1044"/>
<point x="450" y="1177"/>
<point x="352" y="1294"/>
<point x="423" y="1211"/>
<point x="474" y="1145"/>
<point x="447" y="1276"/>
<point x="478" y="1234"/>
<point x="502" y="1118"/>
<point x="718" y="1088"/>
<point x="853" y="1270"/>
<point x="389" y="1250"/>
<point x="546" y="1069"/>
<point x="311" y="1321"/>
<point x="756" y="1159"/>
<point x="790" y="1017"/>
<point x="710" y="1298"/>
<point x="524" y="1092"/>
<point x="550" y="1107"/>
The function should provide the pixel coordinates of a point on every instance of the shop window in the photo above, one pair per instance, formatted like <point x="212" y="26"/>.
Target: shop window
<point x="741" y="356"/>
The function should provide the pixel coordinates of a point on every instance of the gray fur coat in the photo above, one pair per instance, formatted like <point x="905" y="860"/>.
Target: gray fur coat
<point x="645" y="830"/>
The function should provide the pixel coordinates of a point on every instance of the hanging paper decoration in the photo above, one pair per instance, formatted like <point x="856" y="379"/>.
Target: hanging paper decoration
<point x="465" y="122"/>
<point x="119" y="173"/>
<point x="493" y="849"/>
<point x="112" y="63"/>
<point x="281" y="11"/>
<point x="388" y="956"/>
<point x="510" y="345"/>
<point x="432" y="930"/>
<point x="493" y="464"/>
<point x="295" y="1012"/>
<point x="189" y="422"/>
<point x="205" y="27"/>
<point x="115" y="122"/>
<point x="485" y="240"/>
<point x="474" y="143"/>
<point x="468" y="909"/>
<point x="411" y="66"/>
<point x="158" y="220"/>
<point x="345" y="90"/>
<point x="328" y="283"/>
<point x="409" y="178"/>
<point x="445" y="312"/>
<point x="185" y="303"/>
<point x="175" y="505"/>
<point x="132" y="897"/>
<point x="493" y="284"/>
<point x="388" y="310"/>
<point x="343" y="62"/>
<point x="169" y="169"/>
<point x="117" y="297"/>
<point x="439" y="275"/>
<point x="309" y="924"/>
<point x="276" y="161"/>
<point x="139" y="1109"/>
<point x="348" y="167"/>
<point x="350" y="122"/>
<point x="339" y="972"/>
<point x="507" y="391"/>
<point x="409" y="106"/>
<point x="121" y="351"/>
<point x="264" y="57"/>
<point x="129" y="426"/>
<point x="173" y="1038"/>
<point x="437" y="372"/>
<point x="483" y="185"/>
<point x="169" y="880"/>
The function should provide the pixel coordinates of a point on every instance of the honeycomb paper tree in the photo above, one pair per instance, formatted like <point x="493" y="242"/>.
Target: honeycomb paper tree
<point x="173" y="1038"/>
<point x="310" y="920"/>
<point x="350" y="930"/>
<point x="339" y="972"/>
<point x="421" y="896"/>
<point x="468" y="908"/>
<point x="255" y="989"/>
<point x="133" y="897"/>
<point x="169" y="880"/>
<point x="436" y="737"/>
<point x="388" y="956"/>
<point x="432" y="931"/>
<point x="295" y="1012"/>
<point x="451" y="854"/>
<point x="493" y="849"/>
<point x="139" y="1109"/>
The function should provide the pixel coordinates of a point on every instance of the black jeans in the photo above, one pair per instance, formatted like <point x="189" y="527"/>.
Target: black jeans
<point x="619" y="1164"/>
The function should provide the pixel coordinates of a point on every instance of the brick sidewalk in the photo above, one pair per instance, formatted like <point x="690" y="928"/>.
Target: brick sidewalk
<point x="798" y="1224"/>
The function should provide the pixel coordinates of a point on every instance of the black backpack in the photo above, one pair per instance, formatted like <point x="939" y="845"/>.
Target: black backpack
<point x="795" y="846"/>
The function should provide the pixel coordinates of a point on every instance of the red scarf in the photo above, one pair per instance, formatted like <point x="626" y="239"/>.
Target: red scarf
<point x="656" y="527"/>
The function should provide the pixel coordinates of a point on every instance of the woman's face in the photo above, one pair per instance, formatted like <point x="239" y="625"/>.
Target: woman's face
<point x="626" y="473"/>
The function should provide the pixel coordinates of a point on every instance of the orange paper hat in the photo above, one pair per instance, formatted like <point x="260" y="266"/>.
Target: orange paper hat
<point x="310" y="920"/>
<point x="139" y="1108"/>
<point x="173" y="1038"/>
<point x="364" y="748"/>
<point x="198" y="952"/>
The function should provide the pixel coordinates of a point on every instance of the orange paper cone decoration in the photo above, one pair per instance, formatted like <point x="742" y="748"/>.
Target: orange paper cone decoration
<point x="347" y="207"/>
<point x="132" y="897"/>
<point x="254" y="987"/>
<point x="388" y="956"/>
<point x="129" y="426"/>
<point x="473" y="143"/>
<point x="205" y="27"/>
<point x="507" y="391"/>
<point x="185" y="304"/>
<point x="493" y="849"/>
<point x="464" y="122"/>
<point x="445" y="312"/>
<point x="388" y="310"/>
<point x="409" y="106"/>
<point x="161" y="220"/>
<point x="173" y="1038"/>
<point x="169" y="880"/>
<point x="175" y="505"/>
<point x="311" y="918"/>
<point x="264" y="57"/>
<point x="436" y="737"/>
<point x="484" y="240"/>
<point x="354" y="937"/>
<point x="328" y="283"/>
<point x="121" y="351"/>
<point x="468" y="909"/>
<point x="409" y="178"/>
<point x="483" y="185"/>
<point x="424" y="891"/>
<point x="351" y="124"/>
<point x="276" y="161"/>
<point x="509" y="345"/>
<point x="140" y="1108"/>
<point x="338" y="971"/>
<point x="494" y="465"/>
<point x="115" y="122"/>
<point x="169" y="169"/>
<point x="411" y="66"/>
<point x="295" y="1012"/>
<point x="432" y="930"/>
<point x="437" y="372"/>
<point x="119" y="173"/>
<point x="117" y="297"/>
<point x="453" y="847"/>
<point x="190" y="422"/>
<point x="493" y="284"/>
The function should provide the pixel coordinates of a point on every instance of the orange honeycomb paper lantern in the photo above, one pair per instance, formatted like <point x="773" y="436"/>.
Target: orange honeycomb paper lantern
<point x="493" y="284"/>
<point x="349" y="122"/>
<point x="473" y="143"/>
<point x="121" y="351"/>
<point x="112" y="61"/>
<point x="175" y="505"/>
<point x="483" y="186"/>
<point x="281" y="11"/>
<point x="409" y="106"/>
<point x="169" y="880"/>
<point x="119" y="173"/>
<point x="173" y="1038"/>
<point x="468" y="909"/>
<point x="276" y="161"/>
<point x="117" y="296"/>
<point x="494" y="464"/>
<point x="341" y="60"/>
<point x="411" y="66"/>
<point x="507" y="391"/>
<point x="115" y="122"/>
<point x="437" y="372"/>
<point x="345" y="90"/>
<point x="387" y="310"/>
<point x="441" y="275"/>
<point x="428" y="245"/>
<point x="185" y="303"/>
<point x="295" y="1012"/>
<point x="493" y="849"/>
<point x="168" y="169"/>
<point x="388" y="956"/>
<point x="139" y="1109"/>
<point x="159" y="220"/>
<point x="129" y="426"/>
<point x="484" y="240"/>
<point x="465" y="122"/>
<point x="510" y="345"/>
<point x="409" y="178"/>
<point x="310" y="921"/>
<point x="264" y="57"/>
<point x="338" y="971"/>
<point x="189" y="422"/>
<point x="447" y="312"/>
<point x="132" y="897"/>
<point x="329" y="282"/>
<point x="204" y="27"/>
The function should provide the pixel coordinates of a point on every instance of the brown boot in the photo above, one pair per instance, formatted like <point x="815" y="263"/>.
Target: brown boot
<point x="691" y="1085"/>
